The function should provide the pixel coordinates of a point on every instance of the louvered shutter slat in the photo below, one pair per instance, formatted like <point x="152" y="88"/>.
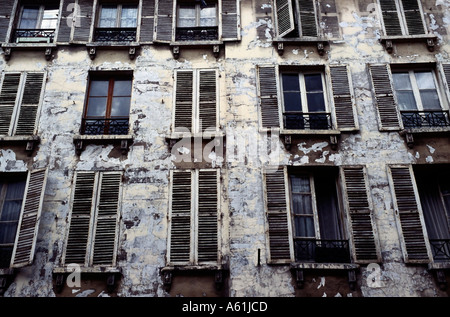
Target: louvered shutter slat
<point x="308" y="21"/>
<point x="230" y="20"/>
<point x="208" y="101"/>
<point x="270" y="117"/>
<point x="413" y="17"/>
<point x="148" y="21"/>
<point x="285" y="17"/>
<point x="184" y="100"/>
<point x="390" y="17"/>
<point x="82" y="30"/>
<point x="164" y="21"/>
<point x="30" y="104"/>
<point x="66" y="22"/>
<point x="8" y="96"/>
<point x="5" y="17"/>
<point x="343" y="98"/>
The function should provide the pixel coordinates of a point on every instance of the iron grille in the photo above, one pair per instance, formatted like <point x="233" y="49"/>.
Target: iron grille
<point x="203" y="33"/>
<point x="34" y="35"/>
<point x="115" y="35"/>
<point x="307" y="120"/>
<point x="440" y="249"/>
<point x="322" y="251"/>
<point x="425" y="119"/>
<point x="117" y="126"/>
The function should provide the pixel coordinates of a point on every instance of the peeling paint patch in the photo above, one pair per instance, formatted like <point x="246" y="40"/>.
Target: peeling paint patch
<point x="315" y="148"/>
<point x="8" y="162"/>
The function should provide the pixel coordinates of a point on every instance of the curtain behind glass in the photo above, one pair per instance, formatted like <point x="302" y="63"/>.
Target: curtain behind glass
<point x="10" y="212"/>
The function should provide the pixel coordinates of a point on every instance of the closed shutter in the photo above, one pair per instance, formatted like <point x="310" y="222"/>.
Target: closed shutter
<point x="6" y="11"/>
<point x="230" y="20"/>
<point x="66" y="21"/>
<point x="207" y="107"/>
<point x="413" y="17"/>
<point x="164" y="22"/>
<point x="344" y="103"/>
<point x="207" y="235"/>
<point x="184" y="101"/>
<point x="285" y="17"/>
<point x="8" y="96"/>
<point x="359" y="213"/>
<point x="390" y="17"/>
<point x="388" y="115"/>
<point x="277" y="216"/>
<point x="180" y="217"/>
<point x="445" y="73"/>
<point x="308" y="19"/>
<point x="410" y="223"/>
<point x="83" y="23"/>
<point x="107" y="217"/>
<point x="268" y="94"/>
<point x="25" y="244"/>
<point x="30" y="104"/>
<point x="147" y="21"/>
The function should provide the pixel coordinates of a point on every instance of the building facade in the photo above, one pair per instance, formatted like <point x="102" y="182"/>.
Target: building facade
<point x="225" y="148"/>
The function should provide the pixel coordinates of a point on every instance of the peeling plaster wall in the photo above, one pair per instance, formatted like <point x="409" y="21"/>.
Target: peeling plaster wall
<point x="144" y="216"/>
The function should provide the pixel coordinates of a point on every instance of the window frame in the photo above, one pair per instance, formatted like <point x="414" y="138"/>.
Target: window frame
<point x="197" y="8"/>
<point x="40" y="18"/>
<point x="119" y="9"/>
<point x="402" y="19"/>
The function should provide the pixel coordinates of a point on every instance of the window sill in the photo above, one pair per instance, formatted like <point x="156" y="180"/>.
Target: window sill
<point x="124" y="140"/>
<point x="47" y="47"/>
<point x="318" y="41"/>
<point x="388" y="41"/>
<point x="439" y="269"/>
<point x="30" y="140"/>
<point x="175" y="46"/>
<point x="132" y="48"/>
<point x="310" y="132"/>
<point x="202" y="135"/>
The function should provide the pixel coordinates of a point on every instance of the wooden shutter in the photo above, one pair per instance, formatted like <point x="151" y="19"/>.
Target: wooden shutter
<point x="80" y="219"/>
<point x="8" y="96"/>
<point x="444" y="70"/>
<point x="82" y="30"/>
<point x="66" y="21"/>
<point x="308" y="18"/>
<point x="230" y="20"/>
<point x="184" y="101"/>
<point x="277" y="216"/>
<point x="413" y="17"/>
<point x="107" y="219"/>
<point x="207" y="103"/>
<point x="268" y="94"/>
<point x="164" y="21"/>
<point x="285" y="17"/>
<point x="23" y="252"/>
<point x="344" y="103"/>
<point x="390" y="17"/>
<point x="180" y="217"/>
<point x="207" y="232"/>
<point x="388" y="114"/>
<point x="6" y="11"/>
<point x="147" y="21"/>
<point x="30" y="104"/>
<point x="408" y="212"/>
<point x="364" y="237"/>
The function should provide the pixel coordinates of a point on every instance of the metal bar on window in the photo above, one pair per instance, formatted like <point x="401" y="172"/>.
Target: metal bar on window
<point x="425" y="119"/>
<point x="307" y="120"/>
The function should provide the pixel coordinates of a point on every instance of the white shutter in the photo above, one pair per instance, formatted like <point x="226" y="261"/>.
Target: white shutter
<point x="284" y="17"/>
<point x="8" y="96"/>
<point x="268" y="96"/>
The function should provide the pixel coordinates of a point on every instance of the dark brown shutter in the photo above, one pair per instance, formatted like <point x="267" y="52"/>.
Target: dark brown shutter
<point x="147" y="21"/>
<point x="413" y="17"/>
<point x="184" y="101"/>
<point x="230" y="20"/>
<point x="384" y="96"/>
<point x="390" y="17"/>
<point x="285" y="17"/>
<point x="344" y="103"/>
<point x="80" y="221"/>
<point x="25" y="244"/>
<point x="181" y="214"/>
<point x="277" y="214"/>
<point x="6" y="11"/>
<point x="8" y="96"/>
<point x="66" y="21"/>
<point x="164" y="22"/>
<point x="268" y="93"/>
<point x="308" y="19"/>
<point x="106" y="224"/>
<point x="30" y="104"/>
<point x="207" y="100"/>
<point x="363" y="229"/>
<point x="207" y="239"/>
<point x="408" y="214"/>
<point x="82" y="30"/>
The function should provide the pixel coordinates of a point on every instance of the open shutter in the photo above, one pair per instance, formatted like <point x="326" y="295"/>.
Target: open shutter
<point x="8" y="96"/>
<point x="6" y="11"/>
<point x="66" y="21"/>
<point x="30" y="104"/>
<point x="80" y="220"/>
<point x="268" y="94"/>
<point x="207" y="100"/>
<point x="164" y="21"/>
<point x="408" y="212"/>
<point x="277" y="216"/>
<point x="180" y="217"/>
<point x="230" y="20"/>
<point x="444" y="70"/>
<point x="413" y="17"/>
<point x="23" y="252"/>
<point x="285" y="17"/>
<point x="107" y="219"/>
<point x="308" y="18"/>
<point x="391" y="19"/>
<point x="83" y="22"/>
<point x="364" y="238"/>
<point x="184" y="101"/>
<point x="207" y="235"/>
<point x="147" y="21"/>
<point x="388" y="114"/>
<point x="344" y="103"/>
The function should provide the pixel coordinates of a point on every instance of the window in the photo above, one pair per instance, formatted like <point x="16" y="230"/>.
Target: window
<point x="94" y="219"/>
<point x="296" y="18"/>
<point x="37" y="23"/>
<point x="402" y="17"/>
<point x="108" y="105"/>
<point x="196" y="21"/>
<point x="117" y="23"/>
<point x="194" y="206"/>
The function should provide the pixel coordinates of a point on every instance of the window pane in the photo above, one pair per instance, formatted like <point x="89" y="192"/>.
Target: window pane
<point x="8" y="232"/>
<point x="29" y="18"/>
<point x="122" y="88"/>
<point x="300" y="184"/>
<point x="313" y="82"/>
<point x="120" y="107"/>
<point x="50" y="19"/>
<point x="290" y="82"/>
<point x="292" y="101"/>
<point x="316" y="102"/>
<point x="406" y="100"/>
<point x="304" y="226"/>
<point x="302" y="204"/>
<point x="208" y="16"/>
<point x="15" y="191"/>
<point x="108" y="16"/>
<point x="129" y="17"/>
<point x="99" y="88"/>
<point x="425" y="80"/>
<point x="402" y="81"/>
<point x="186" y="16"/>
<point x="430" y="100"/>
<point x="96" y="107"/>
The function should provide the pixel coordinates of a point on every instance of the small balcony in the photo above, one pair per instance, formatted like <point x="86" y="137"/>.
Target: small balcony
<point x="116" y="126"/>
<point x="425" y="119"/>
<point x="115" y="35"/>
<point x="204" y="33"/>
<point x="322" y="251"/>
<point x="440" y="249"/>
<point x="33" y="36"/>
<point x="307" y="121"/>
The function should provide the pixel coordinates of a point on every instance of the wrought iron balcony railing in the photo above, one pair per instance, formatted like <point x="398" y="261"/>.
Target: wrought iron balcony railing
<point x="322" y="251"/>
<point x="34" y="35"/>
<point x="440" y="249"/>
<point x="115" y="35"/>
<point x="116" y="126"/>
<point x="425" y="119"/>
<point x="203" y="33"/>
<point x="307" y="121"/>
